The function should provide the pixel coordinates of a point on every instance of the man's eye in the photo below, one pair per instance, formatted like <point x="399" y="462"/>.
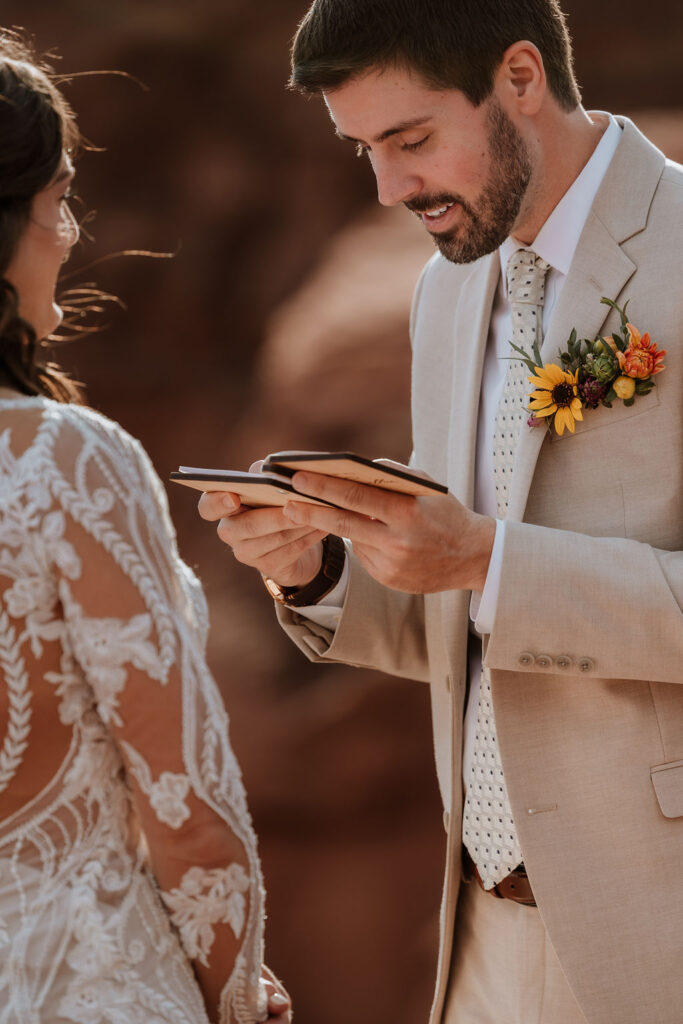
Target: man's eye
<point x="412" y="146"/>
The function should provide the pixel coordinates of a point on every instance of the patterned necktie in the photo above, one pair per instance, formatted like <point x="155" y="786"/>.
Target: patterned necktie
<point x="488" y="828"/>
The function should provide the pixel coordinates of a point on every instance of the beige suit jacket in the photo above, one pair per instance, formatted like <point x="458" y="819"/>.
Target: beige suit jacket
<point x="586" y="651"/>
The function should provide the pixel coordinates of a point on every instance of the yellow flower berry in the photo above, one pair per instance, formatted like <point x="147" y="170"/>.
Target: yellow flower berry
<point x="624" y="387"/>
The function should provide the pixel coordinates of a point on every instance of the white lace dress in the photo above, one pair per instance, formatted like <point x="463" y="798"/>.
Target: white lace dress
<point x="128" y="865"/>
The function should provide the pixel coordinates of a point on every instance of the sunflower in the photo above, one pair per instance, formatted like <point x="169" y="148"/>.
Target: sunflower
<point x="556" y="395"/>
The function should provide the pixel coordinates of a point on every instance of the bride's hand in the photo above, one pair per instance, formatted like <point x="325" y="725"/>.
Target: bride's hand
<point x="279" y="1003"/>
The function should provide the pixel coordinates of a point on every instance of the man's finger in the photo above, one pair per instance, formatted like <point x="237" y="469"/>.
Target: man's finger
<point x="214" y="505"/>
<point x="288" y="545"/>
<point x="252" y="522"/>
<point x="338" y="521"/>
<point x="373" y="502"/>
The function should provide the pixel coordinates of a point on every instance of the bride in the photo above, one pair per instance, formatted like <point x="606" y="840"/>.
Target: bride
<point x="130" y="887"/>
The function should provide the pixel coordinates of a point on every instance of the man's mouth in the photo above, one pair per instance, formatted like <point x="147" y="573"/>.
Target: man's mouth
<point x="438" y="211"/>
<point x="441" y="218"/>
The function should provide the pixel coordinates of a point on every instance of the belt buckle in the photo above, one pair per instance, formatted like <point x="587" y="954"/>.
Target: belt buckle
<point x="470" y="873"/>
<point x="517" y="881"/>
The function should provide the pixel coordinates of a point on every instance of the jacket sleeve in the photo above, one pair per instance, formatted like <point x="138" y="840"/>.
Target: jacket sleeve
<point x="610" y="607"/>
<point x="379" y="628"/>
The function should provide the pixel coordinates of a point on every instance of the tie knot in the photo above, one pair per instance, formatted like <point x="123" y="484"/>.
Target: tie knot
<point x="526" y="277"/>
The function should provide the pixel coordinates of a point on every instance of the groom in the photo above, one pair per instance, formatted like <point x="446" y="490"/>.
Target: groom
<point x="541" y="598"/>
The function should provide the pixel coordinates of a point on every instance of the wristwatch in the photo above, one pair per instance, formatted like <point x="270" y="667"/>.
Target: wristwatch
<point x="331" y="569"/>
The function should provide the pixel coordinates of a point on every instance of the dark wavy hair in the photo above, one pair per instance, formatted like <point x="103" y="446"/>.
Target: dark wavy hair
<point x="452" y="44"/>
<point x="37" y="126"/>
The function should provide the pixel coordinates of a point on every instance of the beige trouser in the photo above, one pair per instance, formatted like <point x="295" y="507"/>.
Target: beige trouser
<point x="504" y="969"/>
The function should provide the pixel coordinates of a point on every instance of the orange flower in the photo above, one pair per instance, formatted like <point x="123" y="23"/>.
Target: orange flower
<point x="641" y="359"/>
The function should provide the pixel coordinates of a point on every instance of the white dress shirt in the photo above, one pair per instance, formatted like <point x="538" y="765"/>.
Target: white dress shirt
<point x="556" y="243"/>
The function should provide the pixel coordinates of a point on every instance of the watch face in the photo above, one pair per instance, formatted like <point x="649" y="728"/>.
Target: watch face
<point x="274" y="589"/>
<point x="334" y="555"/>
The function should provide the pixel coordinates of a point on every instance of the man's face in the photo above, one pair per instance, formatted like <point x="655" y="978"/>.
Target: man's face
<point x="463" y="170"/>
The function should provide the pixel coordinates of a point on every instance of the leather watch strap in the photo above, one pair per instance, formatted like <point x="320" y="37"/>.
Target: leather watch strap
<point x="329" y="574"/>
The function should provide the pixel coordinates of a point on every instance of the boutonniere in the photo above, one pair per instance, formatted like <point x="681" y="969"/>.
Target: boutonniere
<point x="591" y="373"/>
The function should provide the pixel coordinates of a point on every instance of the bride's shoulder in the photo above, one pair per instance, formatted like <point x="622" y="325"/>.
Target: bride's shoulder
<point x="82" y="446"/>
<point x="35" y="418"/>
<point x="80" y="424"/>
<point x="81" y="433"/>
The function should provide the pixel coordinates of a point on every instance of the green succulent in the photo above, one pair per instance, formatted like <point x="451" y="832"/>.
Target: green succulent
<point x="603" y="367"/>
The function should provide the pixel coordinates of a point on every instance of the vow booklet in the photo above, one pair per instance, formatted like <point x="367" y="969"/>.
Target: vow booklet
<point x="272" y="487"/>
<point x="257" y="490"/>
<point x="353" y="467"/>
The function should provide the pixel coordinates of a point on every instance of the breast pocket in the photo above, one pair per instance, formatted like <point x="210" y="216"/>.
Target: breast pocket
<point x="617" y="416"/>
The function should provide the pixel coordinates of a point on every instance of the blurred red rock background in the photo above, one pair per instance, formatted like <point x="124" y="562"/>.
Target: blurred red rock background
<point x="282" y="323"/>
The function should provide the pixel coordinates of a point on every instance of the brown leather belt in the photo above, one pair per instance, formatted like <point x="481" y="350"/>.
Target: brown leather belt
<point x="515" y="886"/>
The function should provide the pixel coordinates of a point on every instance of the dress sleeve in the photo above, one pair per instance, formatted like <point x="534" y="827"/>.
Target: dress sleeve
<point x="136" y="621"/>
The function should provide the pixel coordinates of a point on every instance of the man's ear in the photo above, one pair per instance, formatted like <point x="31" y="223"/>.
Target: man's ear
<point x="521" y="78"/>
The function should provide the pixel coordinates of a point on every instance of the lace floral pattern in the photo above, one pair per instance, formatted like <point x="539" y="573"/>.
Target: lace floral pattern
<point x="204" y="899"/>
<point x="104" y="647"/>
<point x="167" y="796"/>
<point x="111" y="728"/>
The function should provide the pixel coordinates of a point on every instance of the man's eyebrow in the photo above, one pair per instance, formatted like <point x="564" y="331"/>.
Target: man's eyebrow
<point x="404" y="126"/>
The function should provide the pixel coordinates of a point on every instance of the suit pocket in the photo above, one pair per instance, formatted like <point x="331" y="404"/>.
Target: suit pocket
<point x="667" y="780"/>
<point x="616" y="416"/>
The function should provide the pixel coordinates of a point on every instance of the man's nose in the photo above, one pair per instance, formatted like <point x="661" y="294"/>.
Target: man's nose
<point x="394" y="185"/>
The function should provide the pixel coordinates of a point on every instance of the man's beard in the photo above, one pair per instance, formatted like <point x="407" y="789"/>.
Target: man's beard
<point x="487" y="223"/>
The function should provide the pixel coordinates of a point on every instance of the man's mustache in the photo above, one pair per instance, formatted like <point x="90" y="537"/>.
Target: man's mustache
<point x="421" y="204"/>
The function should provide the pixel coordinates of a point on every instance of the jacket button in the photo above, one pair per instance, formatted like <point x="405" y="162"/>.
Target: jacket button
<point x="525" y="659"/>
<point x="586" y="664"/>
<point x="446" y="820"/>
<point x="544" y="661"/>
<point x="564" y="661"/>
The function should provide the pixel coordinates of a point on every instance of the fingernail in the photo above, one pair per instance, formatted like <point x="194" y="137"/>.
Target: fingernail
<point x="290" y="512"/>
<point x="229" y="503"/>
<point x="278" y="1000"/>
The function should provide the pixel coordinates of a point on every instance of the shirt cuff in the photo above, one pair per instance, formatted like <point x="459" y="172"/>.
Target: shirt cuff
<point x="327" y="612"/>
<point x="483" y="606"/>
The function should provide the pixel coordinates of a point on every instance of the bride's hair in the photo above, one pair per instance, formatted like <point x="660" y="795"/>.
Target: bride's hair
<point x="36" y="127"/>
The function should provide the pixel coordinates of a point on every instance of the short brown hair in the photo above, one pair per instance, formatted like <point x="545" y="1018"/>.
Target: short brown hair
<point x="452" y="44"/>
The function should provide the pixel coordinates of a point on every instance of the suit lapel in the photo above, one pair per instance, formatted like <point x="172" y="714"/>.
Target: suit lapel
<point x="600" y="268"/>
<point x="604" y="273"/>
<point x="470" y="335"/>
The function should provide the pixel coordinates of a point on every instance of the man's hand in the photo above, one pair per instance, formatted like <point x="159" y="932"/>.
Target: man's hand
<point x="418" y="545"/>
<point x="265" y="539"/>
